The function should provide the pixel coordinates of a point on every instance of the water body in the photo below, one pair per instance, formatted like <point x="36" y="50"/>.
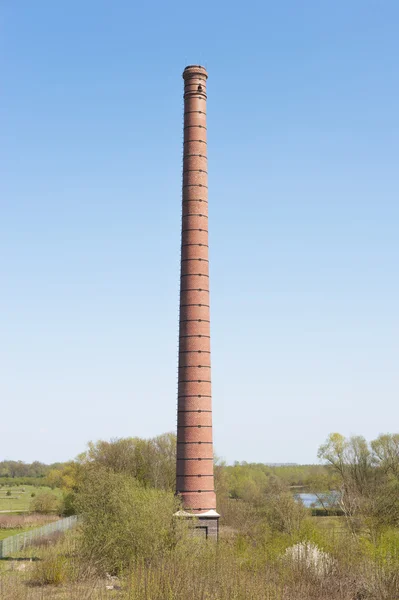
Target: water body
<point x="311" y="501"/>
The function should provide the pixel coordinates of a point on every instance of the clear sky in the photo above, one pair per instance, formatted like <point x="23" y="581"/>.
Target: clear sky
<point x="303" y="127"/>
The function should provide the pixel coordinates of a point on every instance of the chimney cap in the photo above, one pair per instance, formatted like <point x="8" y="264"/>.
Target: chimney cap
<point x="194" y="71"/>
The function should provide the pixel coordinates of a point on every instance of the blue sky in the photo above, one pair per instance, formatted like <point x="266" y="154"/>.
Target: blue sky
<point x="303" y="130"/>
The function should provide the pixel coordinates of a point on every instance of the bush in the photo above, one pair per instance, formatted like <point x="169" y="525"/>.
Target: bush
<point x="122" y="521"/>
<point x="45" y="503"/>
<point x="68" y="507"/>
<point x="240" y="517"/>
<point x="8" y="493"/>
<point x="51" y="570"/>
<point x="309" y="557"/>
<point x="326" y="512"/>
<point x="282" y="512"/>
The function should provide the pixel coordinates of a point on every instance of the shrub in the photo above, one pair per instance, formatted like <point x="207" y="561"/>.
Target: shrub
<point x="8" y="493"/>
<point x="121" y="520"/>
<point x="51" y="570"/>
<point x="45" y="503"/>
<point x="308" y="556"/>
<point x="283" y="513"/>
<point x="243" y="518"/>
<point x="68" y="504"/>
<point x="326" y="512"/>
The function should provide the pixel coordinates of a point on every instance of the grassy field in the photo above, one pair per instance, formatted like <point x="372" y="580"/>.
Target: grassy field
<point x="5" y="533"/>
<point x="21" y="497"/>
<point x="336" y="524"/>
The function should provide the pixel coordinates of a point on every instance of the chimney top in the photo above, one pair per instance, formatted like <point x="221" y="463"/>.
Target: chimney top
<point x="194" y="71"/>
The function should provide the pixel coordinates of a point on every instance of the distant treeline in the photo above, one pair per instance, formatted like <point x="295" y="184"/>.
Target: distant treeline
<point x="21" y="473"/>
<point x="17" y="469"/>
<point x="292" y="475"/>
<point x="360" y="479"/>
<point x="7" y="482"/>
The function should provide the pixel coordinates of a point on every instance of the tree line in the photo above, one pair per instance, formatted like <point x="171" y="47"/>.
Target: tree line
<point x="359" y="478"/>
<point x="17" y="469"/>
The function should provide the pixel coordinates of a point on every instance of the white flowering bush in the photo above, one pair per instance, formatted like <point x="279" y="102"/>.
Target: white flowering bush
<point x="308" y="555"/>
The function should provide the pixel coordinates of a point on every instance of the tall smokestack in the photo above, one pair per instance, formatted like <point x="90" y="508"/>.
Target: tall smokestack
<point x="195" y="480"/>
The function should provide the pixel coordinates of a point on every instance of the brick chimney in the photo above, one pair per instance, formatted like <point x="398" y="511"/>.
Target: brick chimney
<point x="194" y="469"/>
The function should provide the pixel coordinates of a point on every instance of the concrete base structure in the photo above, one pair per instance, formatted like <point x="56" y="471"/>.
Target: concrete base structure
<point x="209" y="528"/>
<point x="205" y="526"/>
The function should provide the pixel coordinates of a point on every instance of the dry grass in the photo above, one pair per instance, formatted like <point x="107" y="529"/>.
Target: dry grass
<point x="237" y="568"/>
<point x="10" y="521"/>
<point x="18" y="588"/>
<point x="13" y="524"/>
<point x="196" y="578"/>
<point x="45" y="541"/>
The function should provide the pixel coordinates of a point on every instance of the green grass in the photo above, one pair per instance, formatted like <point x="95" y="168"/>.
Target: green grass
<point x="330" y="523"/>
<point x="20" y="499"/>
<point x="5" y="533"/>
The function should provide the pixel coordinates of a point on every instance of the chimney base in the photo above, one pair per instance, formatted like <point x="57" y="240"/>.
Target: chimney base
<point x="205" y="526"/>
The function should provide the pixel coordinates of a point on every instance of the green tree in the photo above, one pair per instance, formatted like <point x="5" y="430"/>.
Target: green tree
<point x="324" y="486"/>
<point x="123" y="521"/>
<point x="386" y="453"/>
<point x="282" y="511"/>
<point x="369" y="486"/>
<point x="45" y="503"/>
<point x="151" y="462"/>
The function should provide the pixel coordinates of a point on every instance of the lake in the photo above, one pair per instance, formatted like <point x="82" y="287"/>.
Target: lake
<point x="308" y="500"/>
<point x="311" y="501"/>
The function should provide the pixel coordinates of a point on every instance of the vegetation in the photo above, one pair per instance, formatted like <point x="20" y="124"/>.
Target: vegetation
<point x="13" y="524"/>
<point x="151" y="463"/>
<point x="46" y="503"/>
<point x="24" y="521"/>
<point x="129" y="542"/>
<point x="368" y="479"/>
<point x="123" y="520"/>
<point x="19" y="498"/>
<point x="262" y="565"/>
<point x="17" y="469"/>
